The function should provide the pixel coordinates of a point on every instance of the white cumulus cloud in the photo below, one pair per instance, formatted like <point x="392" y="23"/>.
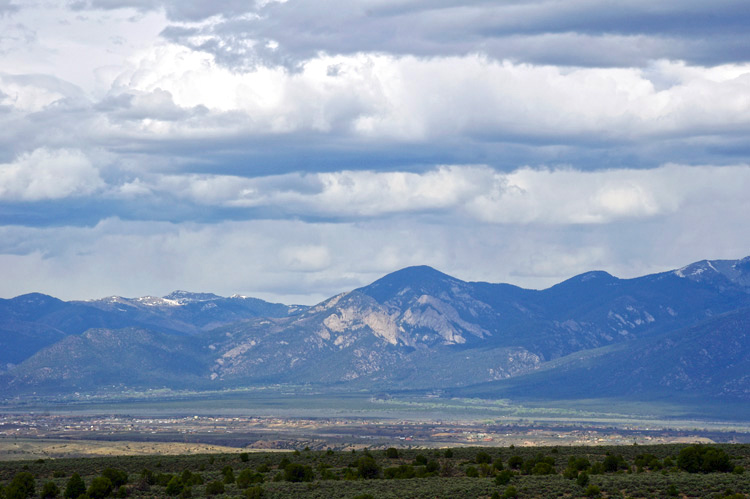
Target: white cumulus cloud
<point x="48" y="174"/>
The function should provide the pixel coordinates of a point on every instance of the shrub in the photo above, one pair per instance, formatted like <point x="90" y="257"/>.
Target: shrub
<point x="368" y="468"/>
<point x="399" y="472"/>
<point x="214" y="488"/>
<point x="482" y="458"/>
<point x="613" y="463"/>
<point x="472" y="472"/>
<point x="503" y="478"/>
<point x="583" y="479"/>
<point x="648" y="461"/>
<point x="50" y="490"/>
<point x="254" y="492"/>
<point x="543" y="469"/>
<point x="117" y="477"/>
<point x="510" y="492"/>
<point x="228" y="473"/>
<point x="188" y="478"/>
<point x="75" y="487"/>
<point x="593" y="491"/>
<point x="295" y="472"/>
<point x="391" y="453"/>
<point x="579" y="464"/>
<point x="21" y="487"/>
<point x="175" y="486"/>
<point x="703" y="459"/>
<point x="497" y="464"/>
<point x="247" y="478"/>
<point x="515" y="462"/>
<point x="448" y="453"/>
<point x="100" y="487"/>
<point x="420" y="460"/>
<point x="244" y="457"/>
<point x="148" y="476"/>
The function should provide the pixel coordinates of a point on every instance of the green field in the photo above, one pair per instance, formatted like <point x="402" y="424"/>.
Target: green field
<point x="638" y="471"/>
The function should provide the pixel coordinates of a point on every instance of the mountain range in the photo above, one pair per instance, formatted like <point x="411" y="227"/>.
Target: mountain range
<point x="681" y="335"/>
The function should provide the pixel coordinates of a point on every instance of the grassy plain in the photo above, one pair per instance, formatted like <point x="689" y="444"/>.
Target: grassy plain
<point x="415" y="473"/>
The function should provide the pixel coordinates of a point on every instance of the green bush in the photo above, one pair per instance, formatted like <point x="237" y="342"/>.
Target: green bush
<point x="254" y="492"/>
<point x="648" y="461"/>
<point x="75" y="487"/>
<point x="100" y="487"/>
<point x="703" y="459"/>
<point x="50" y="490"/>
<point x="542" y="469"/>
<point x="21" y="486"/>
<point x="294" y="472"/>
<point x="399" y="472"/>
<point x="214" y="488"/>
<point x="503" y="478"/>
<point x="482" y="458"/>
<point x="510" y="492"/>
<point x="613" y="463"/>
<point x="148" y="476"/>
<point x="244" y="457"/>
<point x="248" y="477"/>
<point x="368" y="468"/>
<point x="583" y="479"/>
<point x="174" y="487"/>
<point x="228" y="473"/>
<point x="578" y="463"/>
<point x="593" y="491"/>
<point x="117" y="477"/>
<point x="391" y="453"/>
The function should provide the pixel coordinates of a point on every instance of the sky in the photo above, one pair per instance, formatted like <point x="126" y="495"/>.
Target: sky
<point x="292" y="150"/>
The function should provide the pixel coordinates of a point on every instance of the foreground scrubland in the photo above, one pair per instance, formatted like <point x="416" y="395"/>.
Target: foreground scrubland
<point x="715" y="471"/>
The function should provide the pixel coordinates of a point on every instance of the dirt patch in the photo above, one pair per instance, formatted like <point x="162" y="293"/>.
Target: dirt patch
<point x="20" y="449"/>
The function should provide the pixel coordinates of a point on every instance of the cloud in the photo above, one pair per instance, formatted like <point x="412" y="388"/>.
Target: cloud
<point x="524" y="196"/>
<point x="48" y="174"/>
<point x="300" y="149"/>
<point x="307" y="261"/>
<point x="380" y="97"/>
<point x="291" y="33"/>
<point x="7" y="7"/>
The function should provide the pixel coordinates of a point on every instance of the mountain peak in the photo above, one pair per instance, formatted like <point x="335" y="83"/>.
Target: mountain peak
<point x="735" y="271"/>
<point x="183" y="297"/>
<point x="420" y="277"/>
<point x="598" y="276"/>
